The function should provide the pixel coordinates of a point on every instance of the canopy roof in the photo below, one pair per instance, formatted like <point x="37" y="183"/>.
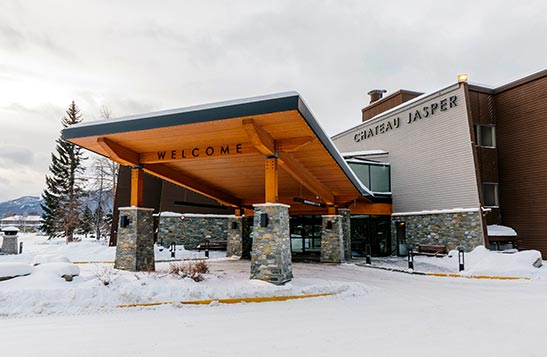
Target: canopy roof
<point x="220" y="150"/>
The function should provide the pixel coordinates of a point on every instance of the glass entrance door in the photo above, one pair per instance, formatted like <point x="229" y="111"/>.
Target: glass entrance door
<point x="370" y="234"/>
<point x="306" y="235"/>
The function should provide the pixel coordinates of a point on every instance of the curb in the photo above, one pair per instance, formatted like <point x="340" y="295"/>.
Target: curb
<point x="229" y="301"/>
<point x="156" y="261"/>
<point x="445" y="275"/>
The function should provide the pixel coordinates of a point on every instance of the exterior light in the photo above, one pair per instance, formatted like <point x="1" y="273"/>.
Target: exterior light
<point x="463" y="77"/>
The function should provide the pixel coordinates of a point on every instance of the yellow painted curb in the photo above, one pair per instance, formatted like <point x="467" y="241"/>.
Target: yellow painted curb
<point x="230" y="301"/>
<point x="476" y="276"/>
<point x="147" y="304"/>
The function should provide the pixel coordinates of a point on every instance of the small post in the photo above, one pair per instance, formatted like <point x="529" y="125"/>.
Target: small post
<point x="461" y="259"/>
<point x="368" y="259"/>
<point x="410" y="259"/>
<point x="20" y="247"/>
<point x="172" y="249"/>
<point x="207" y="248"/>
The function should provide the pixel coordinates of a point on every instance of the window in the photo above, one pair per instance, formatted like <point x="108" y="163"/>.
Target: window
<point x="490" y="194"/>
<point x="375" y="176"/>
<point x="485" y="135"/>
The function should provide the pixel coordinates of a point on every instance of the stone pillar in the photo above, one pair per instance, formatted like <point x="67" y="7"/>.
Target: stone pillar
<point x="346" y="232"/>
<point x="135" y="248"/>
<point x="271" y="258"/>
<point x="332" y="245"/>
<point x="234" y="245"/>
<point x="9" y="242"/>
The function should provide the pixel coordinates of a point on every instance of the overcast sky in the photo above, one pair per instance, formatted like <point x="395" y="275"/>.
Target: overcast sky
<point x="140" y="56"/>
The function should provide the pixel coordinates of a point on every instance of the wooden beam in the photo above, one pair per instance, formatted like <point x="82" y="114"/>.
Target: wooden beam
<point x="180" y="178"/>
<point x="137" y="179"/>
<point x="360" y="207"/>
<point x="301" y="174"/>
<point x="272" y="180"/>
<point x="119" y="153"/>
<point x="293" y="144"/>
<point x="266" y="144"/>
<point x="198" y="153"/>
<point x="260" y="138"/>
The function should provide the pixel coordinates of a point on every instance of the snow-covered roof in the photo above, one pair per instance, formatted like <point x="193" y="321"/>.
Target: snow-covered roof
<point x="495" y="230"/>
<point x="364" y="153"/>
<point x="21" y="218"/>
<point x="175" y="214"/>
<point x="10" y="229"/>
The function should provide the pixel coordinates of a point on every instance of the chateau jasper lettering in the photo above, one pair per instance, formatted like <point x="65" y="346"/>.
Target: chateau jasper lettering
<point x="421" y="113"/>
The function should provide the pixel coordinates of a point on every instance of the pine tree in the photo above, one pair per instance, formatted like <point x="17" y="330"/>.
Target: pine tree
<point x="87" y="224"/>
<point x="64" y="192"/>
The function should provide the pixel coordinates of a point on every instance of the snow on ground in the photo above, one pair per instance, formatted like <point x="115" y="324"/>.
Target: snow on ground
<point x="372" y="312"/>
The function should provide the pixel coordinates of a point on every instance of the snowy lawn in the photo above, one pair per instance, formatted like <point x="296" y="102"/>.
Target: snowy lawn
<point x="372" y="312"/>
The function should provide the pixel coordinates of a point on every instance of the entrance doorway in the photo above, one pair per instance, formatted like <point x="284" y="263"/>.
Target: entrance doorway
<point x="370" y="234"/>
<point x="306" y="236"/>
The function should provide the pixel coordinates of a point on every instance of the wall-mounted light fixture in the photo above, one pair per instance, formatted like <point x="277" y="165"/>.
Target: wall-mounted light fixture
<point x="329" y="224"/>
<point x="264" y="220"/>
<point x="124" y="221"/>
<point x="234" y="225"/>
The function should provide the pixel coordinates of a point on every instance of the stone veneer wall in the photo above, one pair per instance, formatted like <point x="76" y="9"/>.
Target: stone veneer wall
<point x="192" y="229"/>
<point x="332" y="244"/>
<point x="346" y="231"/>
<point x="457" y="229"/>
<point x="135" y="246"/>
<point x="271" y="258"/>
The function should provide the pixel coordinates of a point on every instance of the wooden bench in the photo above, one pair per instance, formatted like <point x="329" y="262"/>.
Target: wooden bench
<point x="213" y="245"/>
<point x="430" y="250"/>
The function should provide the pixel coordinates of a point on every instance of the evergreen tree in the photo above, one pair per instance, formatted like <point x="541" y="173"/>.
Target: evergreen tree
<point x="88" y="222"/>
<point x="64" y="192"/>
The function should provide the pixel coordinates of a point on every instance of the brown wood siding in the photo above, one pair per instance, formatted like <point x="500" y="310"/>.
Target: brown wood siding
<point x="387" y="103"/>
<point x="521" y="114"/>
<point x="482" y="112"/>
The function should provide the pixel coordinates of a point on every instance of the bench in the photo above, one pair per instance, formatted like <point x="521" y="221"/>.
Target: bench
<point x="430" y="250"/>
<point x="213" y="245"/>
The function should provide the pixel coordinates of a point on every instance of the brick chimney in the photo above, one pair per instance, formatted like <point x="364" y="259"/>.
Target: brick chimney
<point x="376" y="94"/>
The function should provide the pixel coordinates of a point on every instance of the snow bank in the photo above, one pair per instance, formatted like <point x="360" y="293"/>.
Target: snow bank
<point x="10" y="270"/>
<point x="49" y="258"/>
<point x="482" y="261"/>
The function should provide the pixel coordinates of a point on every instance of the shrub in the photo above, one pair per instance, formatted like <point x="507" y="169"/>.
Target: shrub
<point x="189" y="269"/>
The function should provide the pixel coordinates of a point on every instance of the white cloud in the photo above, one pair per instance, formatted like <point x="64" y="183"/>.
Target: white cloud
<point x="139" y="56"/>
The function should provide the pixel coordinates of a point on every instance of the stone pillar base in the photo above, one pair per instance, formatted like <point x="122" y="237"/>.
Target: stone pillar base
<point x="135" y="248"/>
<point x="9" y="244"/>
<point x="234" y="245"/>
<point x="271" y="258"/>
<point x="332" y="245"/>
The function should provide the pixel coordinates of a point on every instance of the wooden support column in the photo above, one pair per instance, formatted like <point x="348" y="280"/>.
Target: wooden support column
<point x="331" y="210"/>
<point x="272" y="180"/>
<point x="137" y="179"/>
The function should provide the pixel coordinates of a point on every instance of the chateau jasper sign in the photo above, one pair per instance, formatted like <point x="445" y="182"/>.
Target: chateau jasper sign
<point x="394" y="123"/>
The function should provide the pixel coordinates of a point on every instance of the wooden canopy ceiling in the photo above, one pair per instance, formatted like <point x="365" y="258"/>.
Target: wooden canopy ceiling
<point x="230" y="151"/>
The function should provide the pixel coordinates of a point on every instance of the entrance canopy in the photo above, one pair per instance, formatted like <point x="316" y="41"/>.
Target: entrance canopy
<point x="241" y="152"/>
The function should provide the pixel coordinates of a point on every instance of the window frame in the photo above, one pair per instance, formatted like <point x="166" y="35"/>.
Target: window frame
<point x="478" y="135"/>
<point x="495" y="185"/>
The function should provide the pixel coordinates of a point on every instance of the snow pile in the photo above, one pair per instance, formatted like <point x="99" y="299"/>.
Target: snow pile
<point x="9" y="270"/>
<point x="495" y="230"/>
<point x="482" y="261"/>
